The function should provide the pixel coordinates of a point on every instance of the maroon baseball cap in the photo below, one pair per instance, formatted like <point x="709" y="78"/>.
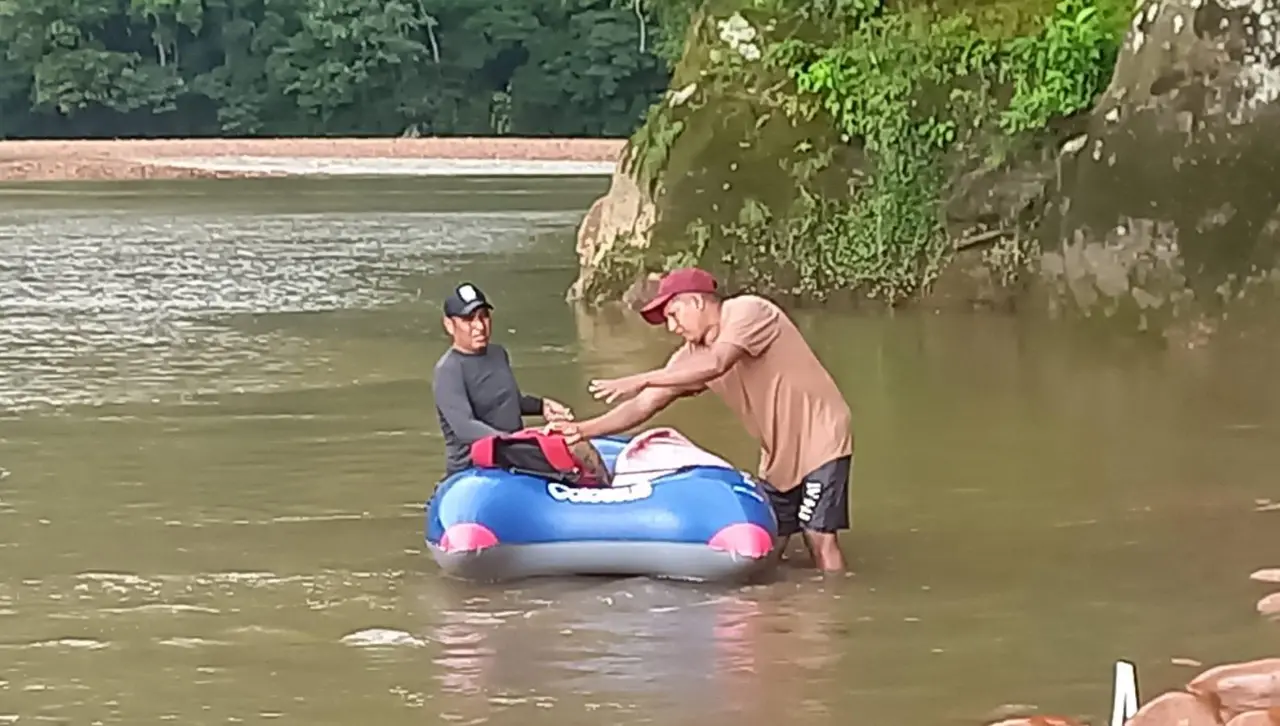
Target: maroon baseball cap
<point x="676" y="282"/>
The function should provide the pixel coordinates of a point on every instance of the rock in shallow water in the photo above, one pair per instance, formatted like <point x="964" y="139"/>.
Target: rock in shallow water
<point x="1270" y="605"/>
<point x="1175" y="709"/>
<point x="621" y="217"/>
<point x="1270" y="717"/>
<point x="1266" y="575"/>
<point x="1239" y="687"/>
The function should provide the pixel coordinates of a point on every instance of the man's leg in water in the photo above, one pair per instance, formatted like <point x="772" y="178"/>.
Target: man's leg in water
<point x="786" y="508"/>
<point x="824" y="510"/>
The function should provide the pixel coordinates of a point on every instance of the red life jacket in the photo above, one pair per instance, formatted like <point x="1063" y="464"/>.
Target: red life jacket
<point x="532" y="452"/>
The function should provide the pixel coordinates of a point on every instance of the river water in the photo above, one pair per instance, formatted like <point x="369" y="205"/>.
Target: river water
<point x="217" y="439"/>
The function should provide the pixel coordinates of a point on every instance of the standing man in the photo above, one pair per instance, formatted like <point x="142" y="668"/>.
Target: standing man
<point x="475" y="389"/>
<point x="751" y="354"/>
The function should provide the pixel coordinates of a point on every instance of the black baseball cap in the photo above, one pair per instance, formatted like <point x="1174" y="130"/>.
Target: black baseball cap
<point x="465" y="300"/>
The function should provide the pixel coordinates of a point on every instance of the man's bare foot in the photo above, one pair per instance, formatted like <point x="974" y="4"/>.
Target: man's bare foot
<point x="825" y="548"/>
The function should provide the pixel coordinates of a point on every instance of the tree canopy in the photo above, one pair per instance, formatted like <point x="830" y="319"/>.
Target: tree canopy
<point x="151" y="68"/>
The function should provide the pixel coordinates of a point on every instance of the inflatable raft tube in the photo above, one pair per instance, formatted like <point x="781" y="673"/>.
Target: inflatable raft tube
<point x="673" y="512"/>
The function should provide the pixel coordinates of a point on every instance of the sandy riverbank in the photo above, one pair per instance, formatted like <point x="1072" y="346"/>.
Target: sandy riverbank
<point x="122" y="159"/>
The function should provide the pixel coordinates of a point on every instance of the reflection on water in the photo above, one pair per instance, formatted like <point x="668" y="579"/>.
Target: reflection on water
<point x="233" y="533"/>
<point x="631" y="646"/>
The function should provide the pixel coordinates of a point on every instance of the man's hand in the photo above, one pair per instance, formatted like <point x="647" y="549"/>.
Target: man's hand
<point x="554" y="411"/>
<point x="566" y="429"/>
<point x="610" y="390"/>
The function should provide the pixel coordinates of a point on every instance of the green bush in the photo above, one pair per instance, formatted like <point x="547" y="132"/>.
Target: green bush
<point x="921" y="93"/>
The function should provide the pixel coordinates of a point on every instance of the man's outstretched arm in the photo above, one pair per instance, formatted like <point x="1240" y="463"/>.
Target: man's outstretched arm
<point x="682" y="374"/>
<point x="696" y="371"/>
<point x="629" y="414"/>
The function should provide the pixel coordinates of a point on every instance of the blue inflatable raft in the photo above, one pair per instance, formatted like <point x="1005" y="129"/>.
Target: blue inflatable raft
<point x="700" y="523"/>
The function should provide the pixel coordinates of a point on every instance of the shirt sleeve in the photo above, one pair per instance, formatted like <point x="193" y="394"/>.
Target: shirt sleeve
<point x="450" y="390"/>
<point x="750" y="323"/>
<point x="530" y="405"/>
<point x="680" y="357"/>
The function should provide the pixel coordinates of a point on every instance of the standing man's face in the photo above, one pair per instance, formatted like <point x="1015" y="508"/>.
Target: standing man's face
<point x="470" y="333"/>
<point x="688" y="317"/>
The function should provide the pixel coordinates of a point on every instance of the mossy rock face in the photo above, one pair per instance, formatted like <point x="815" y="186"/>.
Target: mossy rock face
<point x="1167" y="211"/>
<point x="760" y="186"/>
<point x="717" y="153"/>
<point x="612" y="240"/>
<point x="1155" y="207"/>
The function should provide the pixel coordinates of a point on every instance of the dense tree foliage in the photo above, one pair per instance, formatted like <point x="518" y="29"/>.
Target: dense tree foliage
<point x="134" y="68"/>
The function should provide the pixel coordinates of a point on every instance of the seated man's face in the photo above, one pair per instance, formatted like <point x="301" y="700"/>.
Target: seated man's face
<point x="470" y="333"/>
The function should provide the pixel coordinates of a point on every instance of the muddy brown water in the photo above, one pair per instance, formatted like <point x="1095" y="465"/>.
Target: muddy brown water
<point x="217" y="439"/>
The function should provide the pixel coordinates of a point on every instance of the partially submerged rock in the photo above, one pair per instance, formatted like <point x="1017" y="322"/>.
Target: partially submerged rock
<point x="1271" y="574"/>
<point x="1175" y="709"/>
<point x="716" y="154"/>
<point x="616" y="222"/>
<point x="1270" y="605"/>
<point x="1269" y="717"/>
<point x="1235" y="688"/>
<point x="1235" y="694"/>
<point x="1161" y="213"/>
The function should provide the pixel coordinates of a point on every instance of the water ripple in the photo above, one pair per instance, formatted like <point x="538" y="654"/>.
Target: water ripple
<point x="382" y="638"/>
<point x="128" y="306"/>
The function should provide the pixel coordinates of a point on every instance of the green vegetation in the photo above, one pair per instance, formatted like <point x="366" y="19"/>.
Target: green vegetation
<point x="327" y="67"/>
<point x="873" y="110"/>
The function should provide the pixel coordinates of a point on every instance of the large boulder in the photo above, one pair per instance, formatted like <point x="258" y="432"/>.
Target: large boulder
<point x="1165" y="210"/>
<point x="1158" y="207"/>
<point x="713" y="153"/>
<point x="1235" y="688"/>
<point x="741" y="175"/>
<point x="615" y="229"/>
<point x="1168" y="709"/>
<point x="1236" y="694"/>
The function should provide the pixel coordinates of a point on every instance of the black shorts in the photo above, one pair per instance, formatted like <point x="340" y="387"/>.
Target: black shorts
<point x="819" y="504"/>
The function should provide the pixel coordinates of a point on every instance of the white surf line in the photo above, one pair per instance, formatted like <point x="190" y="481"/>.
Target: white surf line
<point x="377" y="166"/>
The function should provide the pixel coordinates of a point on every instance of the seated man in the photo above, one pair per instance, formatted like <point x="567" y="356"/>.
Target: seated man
<point x="475" y="389"/>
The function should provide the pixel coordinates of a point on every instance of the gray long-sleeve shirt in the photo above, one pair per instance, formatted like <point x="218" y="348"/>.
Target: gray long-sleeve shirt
<point x="477" y="396"/>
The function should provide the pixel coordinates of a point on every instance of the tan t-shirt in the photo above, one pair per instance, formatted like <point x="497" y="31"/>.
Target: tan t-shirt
<point x="780" y="391"/>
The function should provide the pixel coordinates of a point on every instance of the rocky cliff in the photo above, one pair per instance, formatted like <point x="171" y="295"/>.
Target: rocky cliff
<point x="1166" y="206"/>
<point x="1151" y="200"/>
